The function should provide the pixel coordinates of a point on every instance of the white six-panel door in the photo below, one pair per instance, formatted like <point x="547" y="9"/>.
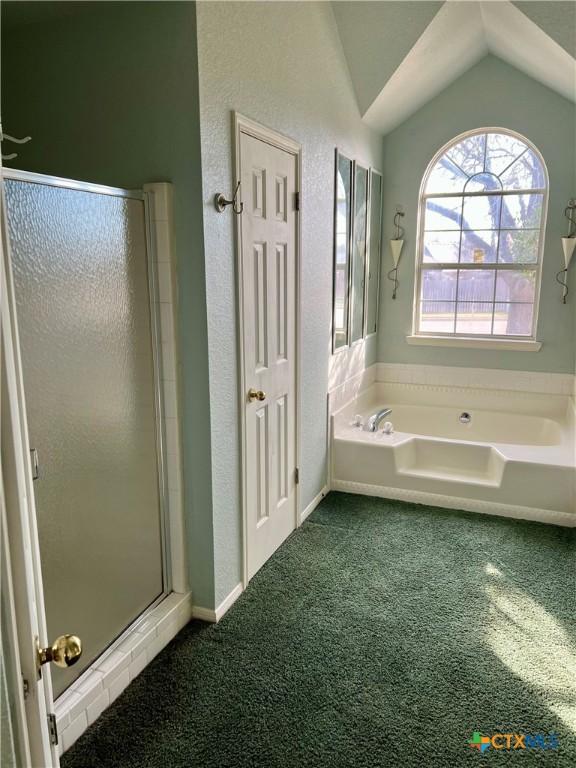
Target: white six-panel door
<point x="268" y="278"/>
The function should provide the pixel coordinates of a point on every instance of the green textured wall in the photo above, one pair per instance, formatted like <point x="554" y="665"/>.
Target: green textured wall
<point x="557" y="19"/>
<point x="109" y="93"/>
<point x="376" y="36"/>
<point x="281" y="64"/>
<point x="491" y="94"/>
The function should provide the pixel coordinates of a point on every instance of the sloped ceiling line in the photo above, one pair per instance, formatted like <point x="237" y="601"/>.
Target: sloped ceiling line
<point x="402" y="54"/>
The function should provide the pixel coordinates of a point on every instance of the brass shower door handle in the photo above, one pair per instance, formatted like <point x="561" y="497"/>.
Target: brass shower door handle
<point x="256" y="394"/>
<point x="64" y="651"/>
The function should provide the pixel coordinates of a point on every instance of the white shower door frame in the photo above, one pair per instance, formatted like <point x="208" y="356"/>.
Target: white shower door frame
<point x="81" y="186"/>
<point x="26" y="601"/>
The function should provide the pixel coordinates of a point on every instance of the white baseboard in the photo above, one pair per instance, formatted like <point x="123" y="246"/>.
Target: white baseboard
<point x="564" y="519"/>
<point x="204" y="614"/>
<point x="313" y="504"/>
<point x="213" y="615"/>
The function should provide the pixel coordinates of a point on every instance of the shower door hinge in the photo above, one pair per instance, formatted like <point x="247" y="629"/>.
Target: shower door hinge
<point x="25" y="687"/>
<point x="297" y="476"/>
<point x="52" y="729"/>
<point x="296" y="201"/>
<point x="35" y="464"/>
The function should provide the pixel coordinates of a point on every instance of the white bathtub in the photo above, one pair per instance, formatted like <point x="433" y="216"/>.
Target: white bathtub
<point x="515" y="457"/>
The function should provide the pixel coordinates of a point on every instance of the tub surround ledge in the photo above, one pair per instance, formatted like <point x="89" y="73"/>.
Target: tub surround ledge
<point x="499" y="442"/>
<point x="450" y="376"/>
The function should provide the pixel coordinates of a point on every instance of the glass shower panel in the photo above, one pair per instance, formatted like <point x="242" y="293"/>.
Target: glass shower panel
<point x="80" y="271"/>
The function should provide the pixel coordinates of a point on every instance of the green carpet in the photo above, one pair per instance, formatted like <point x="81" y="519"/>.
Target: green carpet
<point x="380" y="634"/>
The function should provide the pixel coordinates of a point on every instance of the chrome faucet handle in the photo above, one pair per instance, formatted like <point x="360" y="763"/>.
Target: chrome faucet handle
<point x="370" y="424"/>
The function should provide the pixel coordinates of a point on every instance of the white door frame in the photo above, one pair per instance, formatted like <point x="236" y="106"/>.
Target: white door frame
<point x="25" y="593"/>
<point x="244" y="125"/>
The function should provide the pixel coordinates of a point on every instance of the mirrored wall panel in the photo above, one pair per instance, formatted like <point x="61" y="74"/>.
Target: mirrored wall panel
<point x="374" y="247"/>
<point x="342" y="227"/>
<point x="359" y="232"/>
<point x="357" y="243"/>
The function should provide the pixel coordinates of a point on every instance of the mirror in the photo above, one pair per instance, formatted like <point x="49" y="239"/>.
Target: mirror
<point x="374" y="247"/>
<point x="359" y="232"/>
<point x="342" y="226"/>
<point x="357" y="245"/>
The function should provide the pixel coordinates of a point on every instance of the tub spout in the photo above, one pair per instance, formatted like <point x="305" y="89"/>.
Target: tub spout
<point x="373" y="421"/>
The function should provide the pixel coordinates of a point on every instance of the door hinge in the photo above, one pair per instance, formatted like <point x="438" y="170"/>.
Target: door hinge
<point x="296" y="201"/>
<point x="25" y="687"/>
<point x="35" y="464"/>
<point x="297" y="476"/>
<point x="52" y="729"/>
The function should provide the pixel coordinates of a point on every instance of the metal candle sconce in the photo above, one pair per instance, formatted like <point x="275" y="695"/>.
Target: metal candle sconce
<point x="220" y="202"/>
<point x="396" y="247"/>
<point x="568" y="245"/>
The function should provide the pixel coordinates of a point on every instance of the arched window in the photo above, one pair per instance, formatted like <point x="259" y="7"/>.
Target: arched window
<point x="481" y="232"/>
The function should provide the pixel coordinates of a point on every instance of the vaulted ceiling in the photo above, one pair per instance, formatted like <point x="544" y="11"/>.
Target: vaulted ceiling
<point x="402" y="54"/>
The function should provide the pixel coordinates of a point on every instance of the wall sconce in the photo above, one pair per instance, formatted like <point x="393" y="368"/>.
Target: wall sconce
<point x="568" y="245"/>
<point x="396" y="247"/>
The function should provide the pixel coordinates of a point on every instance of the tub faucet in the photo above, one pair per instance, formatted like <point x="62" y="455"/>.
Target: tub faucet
<point x="374" y="421"/>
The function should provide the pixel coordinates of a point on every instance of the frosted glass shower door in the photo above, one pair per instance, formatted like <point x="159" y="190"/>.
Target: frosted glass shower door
<point x="81" y="279"/>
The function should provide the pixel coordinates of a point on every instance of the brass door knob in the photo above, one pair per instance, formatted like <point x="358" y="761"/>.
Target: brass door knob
<point x="256" y="394"/>
<point x="64" y="651"/>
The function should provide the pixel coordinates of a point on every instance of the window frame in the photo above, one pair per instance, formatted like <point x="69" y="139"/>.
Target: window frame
<point x="477" y="339"/>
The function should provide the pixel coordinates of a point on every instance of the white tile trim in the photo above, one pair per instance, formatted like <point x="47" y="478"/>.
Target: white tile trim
<point x="214" y="615"/>
<point x="313" y="504"/>
<point x="112" y="672"/>
<point x="455" y="376"/>
<point x="476" y="378"/>
<point x="453" y="502"/>
<point x="344" y="393"/>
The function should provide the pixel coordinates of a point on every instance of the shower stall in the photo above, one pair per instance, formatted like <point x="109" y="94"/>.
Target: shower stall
<point x="87" y="311"/>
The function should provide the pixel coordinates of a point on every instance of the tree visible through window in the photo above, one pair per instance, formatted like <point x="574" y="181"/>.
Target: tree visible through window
<point x="482" y="210"/>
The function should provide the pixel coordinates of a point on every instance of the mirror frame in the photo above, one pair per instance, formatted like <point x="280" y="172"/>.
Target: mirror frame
<point x="378" y="250"/>
<point x="340" y="155"/>
<point x="371" y="173"/>
<point x="358" y="168"/>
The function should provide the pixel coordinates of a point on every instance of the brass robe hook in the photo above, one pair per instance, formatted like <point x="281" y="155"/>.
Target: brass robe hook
<point x="220" y="202"/>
